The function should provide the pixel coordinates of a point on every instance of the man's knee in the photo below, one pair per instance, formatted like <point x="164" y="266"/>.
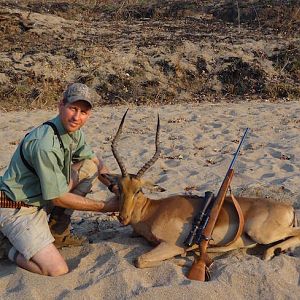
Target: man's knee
<point x="88" y="169"/>
<point x="50" y="261"/>
<point x="58" y="270"/>
<point x="87" y="174"/>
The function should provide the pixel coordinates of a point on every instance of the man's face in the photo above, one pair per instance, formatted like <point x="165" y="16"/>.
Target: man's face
<point x="74" y="115"/>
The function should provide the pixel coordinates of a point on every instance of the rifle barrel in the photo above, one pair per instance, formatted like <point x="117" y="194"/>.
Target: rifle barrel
<point x="238" y="149"/>
<point x="235" y="155"/>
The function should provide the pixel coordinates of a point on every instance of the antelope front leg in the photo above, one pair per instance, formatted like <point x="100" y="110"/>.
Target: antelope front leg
<point x="161" y="252"/>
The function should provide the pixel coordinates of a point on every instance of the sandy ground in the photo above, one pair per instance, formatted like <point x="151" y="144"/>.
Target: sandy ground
<point x="197" y="146"/>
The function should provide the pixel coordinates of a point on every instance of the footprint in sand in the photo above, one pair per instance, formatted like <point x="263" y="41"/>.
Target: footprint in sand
<point x="288" y="168"/>
<point x="172" y="163"/>
<point x="268" y="175"/>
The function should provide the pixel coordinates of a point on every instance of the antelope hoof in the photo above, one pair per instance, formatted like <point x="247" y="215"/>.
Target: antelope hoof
<point x="268" y="255"/>
<point x="138" y="262"/>
<point x="142" y="263"/>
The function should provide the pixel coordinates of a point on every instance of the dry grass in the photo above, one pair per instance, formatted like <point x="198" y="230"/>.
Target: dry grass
<point x="149" y="52"/>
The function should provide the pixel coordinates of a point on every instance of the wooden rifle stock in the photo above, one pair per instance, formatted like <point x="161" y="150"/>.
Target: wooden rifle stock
<point x="198" y="269"/>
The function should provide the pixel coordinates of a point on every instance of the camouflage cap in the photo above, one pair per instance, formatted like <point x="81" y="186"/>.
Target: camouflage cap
<point x="78" y="91"/>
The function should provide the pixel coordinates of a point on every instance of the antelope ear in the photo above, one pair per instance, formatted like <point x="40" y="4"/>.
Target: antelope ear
<point x="152" y="186"/>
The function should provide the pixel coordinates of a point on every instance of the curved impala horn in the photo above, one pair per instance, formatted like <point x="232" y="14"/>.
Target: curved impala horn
<point x="156" y="154"/>
<point x="114" y="144"/>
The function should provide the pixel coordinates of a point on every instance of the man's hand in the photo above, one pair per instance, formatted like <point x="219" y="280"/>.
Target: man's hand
<point x="110" y="181"/>
<point x="111" y="205"/>
<point x="106" y="178"/>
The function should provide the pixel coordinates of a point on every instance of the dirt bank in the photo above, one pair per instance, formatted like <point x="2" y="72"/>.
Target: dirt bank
<point x="146" y="52"/>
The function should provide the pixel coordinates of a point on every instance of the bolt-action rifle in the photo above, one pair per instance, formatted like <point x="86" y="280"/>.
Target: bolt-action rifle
<point x="204" y="222"/>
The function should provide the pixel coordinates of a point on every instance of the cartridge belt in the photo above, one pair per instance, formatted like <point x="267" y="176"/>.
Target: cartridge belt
<point x="6" y="202"/>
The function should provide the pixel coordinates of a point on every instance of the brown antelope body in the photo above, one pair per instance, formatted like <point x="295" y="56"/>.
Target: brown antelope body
<point x="167" y="222"/>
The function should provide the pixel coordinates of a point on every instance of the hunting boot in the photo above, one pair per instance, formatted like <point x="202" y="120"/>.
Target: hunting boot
<point x="60" y="227"/>
<point x="60" y="218"/>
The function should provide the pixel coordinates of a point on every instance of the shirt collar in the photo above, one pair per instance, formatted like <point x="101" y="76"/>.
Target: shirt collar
<point x="66" y="136"/>
<point x="58" y="123"/>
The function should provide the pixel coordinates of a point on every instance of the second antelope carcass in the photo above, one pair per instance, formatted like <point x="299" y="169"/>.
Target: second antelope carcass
<point x="167" y="222"/>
